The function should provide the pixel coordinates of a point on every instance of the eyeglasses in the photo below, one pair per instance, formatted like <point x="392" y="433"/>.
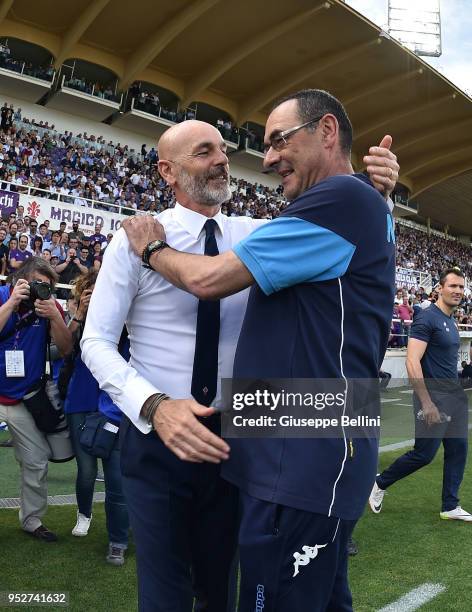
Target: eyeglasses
<point x="280" y="140"/>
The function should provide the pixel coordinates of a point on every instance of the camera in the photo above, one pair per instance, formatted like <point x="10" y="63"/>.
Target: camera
<point x="39" y="290"/>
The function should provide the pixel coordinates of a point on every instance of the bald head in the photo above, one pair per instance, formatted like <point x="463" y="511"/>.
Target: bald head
<point x="193" y="161"/>
<point x="179" y="139"/>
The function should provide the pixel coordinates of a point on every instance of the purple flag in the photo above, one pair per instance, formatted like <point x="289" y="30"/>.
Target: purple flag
<point x="8" y="202"/>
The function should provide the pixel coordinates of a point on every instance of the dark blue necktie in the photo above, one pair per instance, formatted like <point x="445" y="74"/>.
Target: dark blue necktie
<point x="205" y="361"/>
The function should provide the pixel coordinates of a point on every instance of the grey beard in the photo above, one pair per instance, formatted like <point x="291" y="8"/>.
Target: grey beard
<point x="202" y="193"/>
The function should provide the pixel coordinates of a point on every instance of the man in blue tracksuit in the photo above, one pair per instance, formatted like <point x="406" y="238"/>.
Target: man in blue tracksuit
<point x="320" y="308"/>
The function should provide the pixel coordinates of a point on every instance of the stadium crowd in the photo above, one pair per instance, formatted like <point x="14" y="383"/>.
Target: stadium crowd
<point x="84" y="167"/>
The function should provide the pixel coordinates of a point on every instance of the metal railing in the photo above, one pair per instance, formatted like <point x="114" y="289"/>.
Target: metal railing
<point x="176" y="116"/>
<point x="24" y="68"/>
<point x="89" y="90"/>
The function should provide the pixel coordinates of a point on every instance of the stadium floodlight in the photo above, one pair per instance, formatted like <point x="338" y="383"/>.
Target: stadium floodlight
<point x="417" y="25"/>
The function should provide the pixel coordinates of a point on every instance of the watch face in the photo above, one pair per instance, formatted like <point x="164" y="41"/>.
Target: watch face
<point x="155" y="244"/>
<point x="152" y="247"/>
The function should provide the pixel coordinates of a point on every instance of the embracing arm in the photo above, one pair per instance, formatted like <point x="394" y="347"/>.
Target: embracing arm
<point x="208" y="278"/>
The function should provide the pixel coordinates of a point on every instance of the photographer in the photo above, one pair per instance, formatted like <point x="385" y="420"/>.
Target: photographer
<point x="25" y="324"/>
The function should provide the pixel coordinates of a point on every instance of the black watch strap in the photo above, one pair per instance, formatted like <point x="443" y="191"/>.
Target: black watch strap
<point x="152" y="247"/>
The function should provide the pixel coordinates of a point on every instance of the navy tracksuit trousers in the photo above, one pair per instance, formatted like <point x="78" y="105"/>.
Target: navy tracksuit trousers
<point x="292" y="560"/>
<point x="452" y="435"/>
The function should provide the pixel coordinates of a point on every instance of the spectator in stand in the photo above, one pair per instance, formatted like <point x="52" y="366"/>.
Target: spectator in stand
<point x="46" y="255"/>
<point x="98" y="236"/>
<point x="57" y="248"/>
<point x="399" y="296"/>
<point x="37" y="247"/>
<point x="5" y="117"/>
<point x="395" y="339"/>
<point x="105" y="244"/>
<point x="76" y="232"/>
<point x="416" y="306"/>
<point x="87" y="243"/>
<point x="13" y="231"/>
<point x="73" y="244"/>
<point x="12" y="249"/>
<point x="64" y="241"/>
<point x="68" y="271"/>
<point x="33" y="231"/>
<point x="84" y="257"/>
<point x="405" y="312"/>
<point x="21" y="254"/>
<point x="425" y="301"/>
<point x="3" y="251"/>
<point x="97" y="256"/>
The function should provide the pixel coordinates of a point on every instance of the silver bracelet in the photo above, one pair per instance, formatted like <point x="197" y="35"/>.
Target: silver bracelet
<point x="160" y="397"/>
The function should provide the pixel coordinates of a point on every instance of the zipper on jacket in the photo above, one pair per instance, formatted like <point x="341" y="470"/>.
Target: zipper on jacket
<point x="351" y="449"/>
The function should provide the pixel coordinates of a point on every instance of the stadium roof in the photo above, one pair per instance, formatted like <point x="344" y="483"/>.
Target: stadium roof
<point x="241" y="55"/>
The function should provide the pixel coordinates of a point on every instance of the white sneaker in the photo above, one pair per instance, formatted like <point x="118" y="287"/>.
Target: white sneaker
<point x="82" y="526"/>
<point x="376" y="498"/>
<point x="458" y="514"/>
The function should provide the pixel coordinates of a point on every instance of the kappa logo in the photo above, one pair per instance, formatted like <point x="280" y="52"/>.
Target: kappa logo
<point x="260" y="598"/>
<point x="304" y="558"/>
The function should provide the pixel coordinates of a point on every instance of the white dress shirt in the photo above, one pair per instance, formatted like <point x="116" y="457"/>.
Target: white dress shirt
<point x="160" y="318"/>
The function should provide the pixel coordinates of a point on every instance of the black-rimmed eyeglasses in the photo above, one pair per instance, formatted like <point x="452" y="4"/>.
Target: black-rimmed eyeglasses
<point x="279" y="141"/>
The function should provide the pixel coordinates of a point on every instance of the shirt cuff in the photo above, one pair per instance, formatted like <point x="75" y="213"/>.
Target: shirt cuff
<point x="132" y="400"/>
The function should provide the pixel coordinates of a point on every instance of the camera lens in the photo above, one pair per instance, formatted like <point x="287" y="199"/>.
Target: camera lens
<point x="40" y="290"/>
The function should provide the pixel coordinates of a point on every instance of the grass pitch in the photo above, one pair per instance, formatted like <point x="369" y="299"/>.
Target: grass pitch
<point x="404" y="546"/>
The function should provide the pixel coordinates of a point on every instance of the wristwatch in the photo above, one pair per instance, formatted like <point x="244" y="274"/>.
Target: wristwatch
<point x="152" y="247"/>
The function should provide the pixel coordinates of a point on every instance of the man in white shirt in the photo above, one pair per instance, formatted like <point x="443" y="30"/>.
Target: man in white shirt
<point x="183" y="515"/>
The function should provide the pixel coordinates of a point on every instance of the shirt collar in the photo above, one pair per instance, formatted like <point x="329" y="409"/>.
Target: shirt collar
<point x="193" y="222"/>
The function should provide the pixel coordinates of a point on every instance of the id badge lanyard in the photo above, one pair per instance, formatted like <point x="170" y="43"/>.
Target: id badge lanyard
<point x="15" y="359"/>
